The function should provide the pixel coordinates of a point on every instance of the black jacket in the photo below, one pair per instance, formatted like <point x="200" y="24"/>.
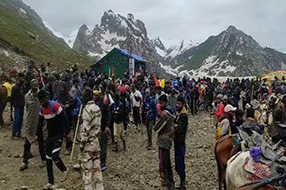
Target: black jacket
<point x="105" y="111"/>
<point x="181" y="126"/>
<point x="17" y="97"/>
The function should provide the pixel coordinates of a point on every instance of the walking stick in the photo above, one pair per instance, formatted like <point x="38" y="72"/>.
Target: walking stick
<point x="76" y="130"/>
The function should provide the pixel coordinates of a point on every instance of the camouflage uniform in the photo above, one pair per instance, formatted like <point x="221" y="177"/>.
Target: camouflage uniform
<point x="90" y="132"/>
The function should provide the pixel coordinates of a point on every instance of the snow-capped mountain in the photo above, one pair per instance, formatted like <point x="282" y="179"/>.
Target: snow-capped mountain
<point x="69" y="39"/>
<point x="117" y="31"/>
<point x="159" y="46"/>
<point x="231" y="53"/>
<point x="179" y="49"/>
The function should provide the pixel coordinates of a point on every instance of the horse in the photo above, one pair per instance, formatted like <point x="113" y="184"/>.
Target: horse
<point x="238" y="178"/>
<point x="223" y="149"/>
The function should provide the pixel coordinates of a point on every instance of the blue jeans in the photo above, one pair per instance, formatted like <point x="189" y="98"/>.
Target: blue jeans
<point x="18" y="120"/>
<point x="180" y="154"/>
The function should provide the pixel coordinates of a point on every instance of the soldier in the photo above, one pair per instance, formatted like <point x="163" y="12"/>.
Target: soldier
<point x="89" y="146"/>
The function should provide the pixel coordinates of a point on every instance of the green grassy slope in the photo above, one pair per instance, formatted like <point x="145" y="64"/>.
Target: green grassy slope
<point x="28" y="36"/>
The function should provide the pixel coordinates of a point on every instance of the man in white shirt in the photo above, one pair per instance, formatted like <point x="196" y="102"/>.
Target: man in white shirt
<point x="136" y="102"/>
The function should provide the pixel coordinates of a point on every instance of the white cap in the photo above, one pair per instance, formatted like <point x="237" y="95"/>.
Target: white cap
<point x="229" y="108"/>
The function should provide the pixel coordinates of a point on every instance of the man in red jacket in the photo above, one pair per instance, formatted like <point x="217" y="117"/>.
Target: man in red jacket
<point x="221" y="106"/>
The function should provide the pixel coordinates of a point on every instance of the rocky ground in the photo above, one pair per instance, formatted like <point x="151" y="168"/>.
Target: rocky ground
<point x="133" y="169"/>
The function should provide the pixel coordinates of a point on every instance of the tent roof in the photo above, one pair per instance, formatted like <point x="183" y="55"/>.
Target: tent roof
<point x="124" y="52"/>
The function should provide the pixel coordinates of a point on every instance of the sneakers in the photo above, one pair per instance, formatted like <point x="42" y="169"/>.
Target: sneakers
<point x="24" y="167"/>
<point x="103" y="166"/>
<point x="65" y="175"/>
<point x="15" y="138"/>
<point x="76" y="167"/>
<point x="49" y="186"/>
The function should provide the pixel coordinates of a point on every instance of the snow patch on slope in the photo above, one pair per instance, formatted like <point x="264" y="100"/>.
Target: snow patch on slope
<point x="168" y="69"/>
<point x="211" y="65"/>
<point x="179" y="49"/>
<point x="161" y="52"/>
<point x="71" y="38"/>
<point x="23" y="11"/>
<point x="108" y="39"/>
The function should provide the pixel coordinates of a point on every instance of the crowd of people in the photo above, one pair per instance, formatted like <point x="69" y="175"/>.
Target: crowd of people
<point x="50" y="106"/>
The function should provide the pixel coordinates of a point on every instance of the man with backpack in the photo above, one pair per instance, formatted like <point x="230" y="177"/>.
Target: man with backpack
<point x="118" y="117"/>
<point x="225" y="121"/>
<point x="150" y="109"/>
<point x="57" y="128"/>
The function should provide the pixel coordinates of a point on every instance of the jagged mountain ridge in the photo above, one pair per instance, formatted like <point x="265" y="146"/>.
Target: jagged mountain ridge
<point x="230" y="53"/>
<point x="116" y="31"/>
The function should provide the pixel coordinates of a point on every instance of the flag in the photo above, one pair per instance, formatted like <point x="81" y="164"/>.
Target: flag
<point x="157" y="83"/>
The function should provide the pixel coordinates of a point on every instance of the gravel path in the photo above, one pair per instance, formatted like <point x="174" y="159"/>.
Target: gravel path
<point x="134" y="169"/>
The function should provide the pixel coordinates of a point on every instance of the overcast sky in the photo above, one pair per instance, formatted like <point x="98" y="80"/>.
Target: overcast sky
<point x="174" y="20"/>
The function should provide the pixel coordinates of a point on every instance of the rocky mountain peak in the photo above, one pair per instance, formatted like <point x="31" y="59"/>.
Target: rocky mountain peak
<point x="118" y="31"/>
<point x="130" y="17"/>
<point x="158" y="43"/>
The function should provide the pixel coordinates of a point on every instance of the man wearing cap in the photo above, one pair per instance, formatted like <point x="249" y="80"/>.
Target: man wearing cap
<point x="150" y="109"/>
<point x="32" y="105"/>
<point x="225" y="122"/>
<point x="221" y="107"/>
<point x="90" y="145"/>
<point x="165" y="130"/>
<point x="18" y="102"/>
<point x="181" y="125"/>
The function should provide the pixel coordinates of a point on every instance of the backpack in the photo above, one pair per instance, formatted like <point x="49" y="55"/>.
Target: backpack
<point x="75" y="111"/>
<point x="52" y="104"/>
<point x="219" y="128"/>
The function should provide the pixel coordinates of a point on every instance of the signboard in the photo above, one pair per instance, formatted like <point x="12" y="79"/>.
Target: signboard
<point x="131" y="67"/>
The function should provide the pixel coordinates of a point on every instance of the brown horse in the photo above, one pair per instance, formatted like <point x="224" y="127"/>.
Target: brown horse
<point x="223" y="149"/>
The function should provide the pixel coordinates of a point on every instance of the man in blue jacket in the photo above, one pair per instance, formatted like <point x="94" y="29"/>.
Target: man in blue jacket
<point x="150" y="109"/>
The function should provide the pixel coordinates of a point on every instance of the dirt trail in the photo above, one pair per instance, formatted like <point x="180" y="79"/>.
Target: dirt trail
<point x="134" y="169"/>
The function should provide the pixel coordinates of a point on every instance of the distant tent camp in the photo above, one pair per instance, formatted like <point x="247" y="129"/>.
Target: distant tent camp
<point x="272" y="74"/>
<point x="118" y="61"/>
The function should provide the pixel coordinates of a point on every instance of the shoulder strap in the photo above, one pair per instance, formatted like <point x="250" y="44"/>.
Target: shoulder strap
<point x="52" y="103"/>
<point x="42" y="110"/>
